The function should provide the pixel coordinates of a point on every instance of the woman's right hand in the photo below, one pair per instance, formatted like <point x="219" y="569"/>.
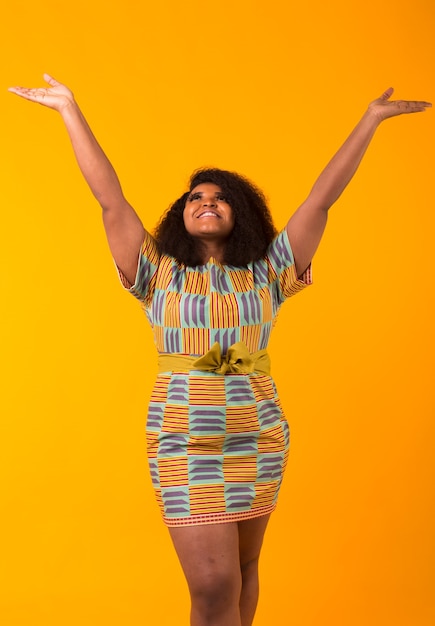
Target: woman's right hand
<point x="56" y="97"/>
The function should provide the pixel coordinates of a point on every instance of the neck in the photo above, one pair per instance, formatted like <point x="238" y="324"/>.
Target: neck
<point x="209" y="249"/>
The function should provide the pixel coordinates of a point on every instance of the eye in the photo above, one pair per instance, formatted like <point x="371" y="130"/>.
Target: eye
<point x="221" y="197"/>
<point x="194" y="196"/>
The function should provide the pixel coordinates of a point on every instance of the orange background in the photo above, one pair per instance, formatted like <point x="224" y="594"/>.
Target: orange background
<point x="269" y="89"/>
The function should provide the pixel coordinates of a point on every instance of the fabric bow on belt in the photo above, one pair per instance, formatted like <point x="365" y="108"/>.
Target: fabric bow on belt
<point x="238" y="360"/>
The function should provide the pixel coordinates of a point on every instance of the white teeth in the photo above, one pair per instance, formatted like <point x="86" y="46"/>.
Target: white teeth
<point x="208" y="214"/>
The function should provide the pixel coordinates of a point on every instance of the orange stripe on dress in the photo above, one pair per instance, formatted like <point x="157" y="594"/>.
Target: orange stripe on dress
<point x="290" y="283"/>
<point x="271" y="439"/>
<point x="149" y="249"/>
<point x="240" y="469"/>
<point x="160" y="390"/>
<point x="266" y="300"/>
<point x="242" y="280"/>
<point x="263" y="388"/>
<point x="271" y="272"/>
<point x="197" y="283"/>
<point x="224" y="311"/>
<point x="173" y="471"/>
<point x="164" y="275"/>
<point x="195" y="340"/>
<point x="207" y="499"/>
<point x="250" y="335"/>
<point x="176" y="419"/>
<point x="262" y="493"/>
<point x="159" y="338"/>
<point x="214" y="394"/>
<point x="172" y="309"/>
<point x="152" y="444"/>
<point x="243" y="419"/>
<point x="206" y="444"/>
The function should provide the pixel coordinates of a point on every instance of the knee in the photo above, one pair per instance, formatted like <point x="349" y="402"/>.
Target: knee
<point x="215" y="591"/>
<point x="249" y="568"/>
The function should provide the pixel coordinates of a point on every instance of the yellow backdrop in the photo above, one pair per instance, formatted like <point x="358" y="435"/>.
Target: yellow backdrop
<point x="269" y="89"/>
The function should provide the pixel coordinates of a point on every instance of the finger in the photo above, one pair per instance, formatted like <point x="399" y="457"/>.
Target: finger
<point x="51" y="81"/>
<point x="20" y="91"/>
<point x="418" y="107"/>
<point x="419" y="104"/>
<point x="413" y="104"/>
<point x="387" y="94"/>
<point x="37" y="95"/>
<point x="408" y="106"/>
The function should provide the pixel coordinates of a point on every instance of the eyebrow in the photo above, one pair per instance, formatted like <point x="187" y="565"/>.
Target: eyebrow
<point x="201" y="193"/>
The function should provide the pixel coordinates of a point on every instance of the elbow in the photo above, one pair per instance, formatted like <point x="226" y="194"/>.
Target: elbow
<point x="110" y="204"/>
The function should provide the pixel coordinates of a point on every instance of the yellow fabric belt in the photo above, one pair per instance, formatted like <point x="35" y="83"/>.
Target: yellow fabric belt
<point x="238" y="360"/>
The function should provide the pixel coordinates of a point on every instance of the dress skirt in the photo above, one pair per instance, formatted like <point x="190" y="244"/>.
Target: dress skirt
<point x="217" y="446"/>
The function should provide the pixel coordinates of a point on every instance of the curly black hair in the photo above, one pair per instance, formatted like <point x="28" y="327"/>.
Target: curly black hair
<point x="253" y="227"/>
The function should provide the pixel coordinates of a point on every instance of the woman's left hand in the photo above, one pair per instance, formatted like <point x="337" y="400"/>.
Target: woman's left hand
<point x="383" y="107"/>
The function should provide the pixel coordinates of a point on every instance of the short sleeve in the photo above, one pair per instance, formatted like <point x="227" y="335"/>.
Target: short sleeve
<point x="282" y="269"/>
<point x="147" y="265"/>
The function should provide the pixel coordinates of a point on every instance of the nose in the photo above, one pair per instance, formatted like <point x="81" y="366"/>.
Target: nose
<point x="211" y="202"/>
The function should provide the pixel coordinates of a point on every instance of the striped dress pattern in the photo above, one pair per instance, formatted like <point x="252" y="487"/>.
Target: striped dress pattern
<point x="217" y="444"/>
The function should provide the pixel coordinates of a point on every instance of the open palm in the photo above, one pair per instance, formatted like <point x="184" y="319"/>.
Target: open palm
<point x="57" y="96"/>
<point x="383" y="107"/>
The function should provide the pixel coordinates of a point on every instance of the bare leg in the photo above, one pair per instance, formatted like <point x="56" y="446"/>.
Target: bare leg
<point x="209" y="556"/>
<point x="251" y="533"/>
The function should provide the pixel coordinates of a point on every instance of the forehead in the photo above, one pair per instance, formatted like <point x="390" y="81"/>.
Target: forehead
<point x="206" y="188"/>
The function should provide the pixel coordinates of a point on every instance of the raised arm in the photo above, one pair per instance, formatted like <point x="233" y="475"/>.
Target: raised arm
<point x="306" y="226"/>
<point x="124" y="229"/>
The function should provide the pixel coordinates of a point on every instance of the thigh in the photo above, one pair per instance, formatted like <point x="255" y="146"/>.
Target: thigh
<point x="251" y="534"/>
<point x="209" y="554"/>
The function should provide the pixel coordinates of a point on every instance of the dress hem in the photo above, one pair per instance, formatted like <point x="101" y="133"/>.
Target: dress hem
<point x="218" y="518"/>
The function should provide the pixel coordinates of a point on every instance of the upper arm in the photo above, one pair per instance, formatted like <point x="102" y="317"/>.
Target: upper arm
<point x="305" y="229"/>
<point x="125" y="234"/>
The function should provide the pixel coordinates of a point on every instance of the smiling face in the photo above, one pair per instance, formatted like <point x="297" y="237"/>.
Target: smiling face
<point x="207" y="214"/>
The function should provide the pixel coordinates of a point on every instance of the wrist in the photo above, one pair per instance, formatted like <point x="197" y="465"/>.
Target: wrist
<point x="373" y="116"/>
<point x="68" y="107"/>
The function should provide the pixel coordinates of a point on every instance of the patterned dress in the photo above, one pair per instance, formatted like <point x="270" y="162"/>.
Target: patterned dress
<point x="217" y="444"/>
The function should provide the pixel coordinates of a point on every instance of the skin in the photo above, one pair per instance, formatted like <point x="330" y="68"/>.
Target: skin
<point x="219" y="560"/>
<point x="220" y="563"/>
<point x="208" y="216"/>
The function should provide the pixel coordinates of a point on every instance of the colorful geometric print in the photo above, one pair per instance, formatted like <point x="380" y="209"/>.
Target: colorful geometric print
<point x="217" y="446"/>
<point x="191" y="308"/>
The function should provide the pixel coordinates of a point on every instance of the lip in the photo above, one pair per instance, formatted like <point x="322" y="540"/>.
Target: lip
<point x="208" y="213"/>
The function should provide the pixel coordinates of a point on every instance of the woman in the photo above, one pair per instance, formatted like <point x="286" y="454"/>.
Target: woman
<point x="211" y="282"/>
